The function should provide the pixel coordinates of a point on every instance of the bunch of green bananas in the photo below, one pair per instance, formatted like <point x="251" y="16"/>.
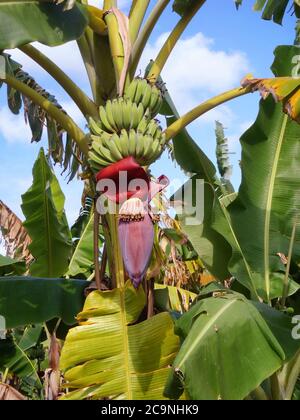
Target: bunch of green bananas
<point x="124" y="129"/>
<point x="140" y="91"/>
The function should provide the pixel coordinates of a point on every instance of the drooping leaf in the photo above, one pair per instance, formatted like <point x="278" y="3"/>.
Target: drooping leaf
<point x="274" y="9"/>
<point x="43" y="207"/>
<point x="108" y="355"/>
<point x="229" y="349"/>
<point x="32" y="20"/>
<point x="82" y="260"/>
<point x="9" y="266"/>
<point x="263" y="215"/>
<point x="13" y="358"/>
<point x="16" y="238"/>
<point x="28" y="300"/>
<point x="83" y="218"/>
<point x="30" y="337"/>
<point x="283" y="89"/>
<point x="183" y="6"/>
<point x="222" y="153"/>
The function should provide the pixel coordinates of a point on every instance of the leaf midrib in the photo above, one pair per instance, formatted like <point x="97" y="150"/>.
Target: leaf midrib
<point x="206" y="328"/>
<point x="269" y="208"/>
<point x="46" y="207"/>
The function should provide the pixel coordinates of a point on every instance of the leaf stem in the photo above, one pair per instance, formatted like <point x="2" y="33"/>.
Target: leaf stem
<point x="96" y="248"/>
<point x="84" y="103"/>
<point x="145" y="33"/>
<point x="201" y="109"/>
<point x="88" y="60"/>
<point x="116" y="44"/>
<point x="65" y="121"/>
<point x="116" y="255"/>
<point x="170" y="43"/>
<point x="136" y="17"/>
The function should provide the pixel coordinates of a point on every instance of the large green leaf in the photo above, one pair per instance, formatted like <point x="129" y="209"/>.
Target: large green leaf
<point x="263" y="215"/>
<point x="27" y="300"/>
<point x="109" y="355"/>
<point x="83" y="256"/>
<point x="228" y="349"/>
<point x="212" y="248"/>
<point x="32" y="20"/>
<point x="14" y="358"/>
<point x="46" y="223"/>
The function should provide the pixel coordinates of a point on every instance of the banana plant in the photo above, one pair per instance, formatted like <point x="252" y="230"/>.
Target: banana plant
<point x="125" y="346"/>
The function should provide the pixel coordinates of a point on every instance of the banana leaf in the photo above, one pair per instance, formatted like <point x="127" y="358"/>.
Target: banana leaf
<point x="9" y="266"/>
<point x="264" y="213"/>
<point x="27" y="300"/>
<point x="229" y="348"/>
<point x="171" y="298"/>
<point x="14" y="358"/>
<point x="110" y="356"/>
<point x="83" y="256"/>
<point x="32" y="20"/>
<point x="46" y="222"/>
<point x="274" y="9"/>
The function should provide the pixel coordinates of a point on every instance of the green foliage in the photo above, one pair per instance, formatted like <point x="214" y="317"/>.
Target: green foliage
<point x="9" y="266"/>
<point x="229" y="348"/>
<point x="46" y="223"/>
<point x="264" y="212"/>
<point x="61" y="147"/>
<point x="82" y="260"/>
<point x="274" y="9"/>
<point x="31" y="20"/>
<point x="28" y="300"/>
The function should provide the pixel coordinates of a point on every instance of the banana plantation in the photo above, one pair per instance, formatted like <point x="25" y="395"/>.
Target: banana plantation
<point x="149" y="295"/>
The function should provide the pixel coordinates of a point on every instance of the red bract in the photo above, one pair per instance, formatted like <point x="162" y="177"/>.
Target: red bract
<point x="122" y="173"/>
<point x="136" y="232"/>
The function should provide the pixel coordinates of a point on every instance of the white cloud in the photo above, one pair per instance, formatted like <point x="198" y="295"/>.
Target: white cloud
<point x="196" y="70"/>
<point x="13" y="127"/>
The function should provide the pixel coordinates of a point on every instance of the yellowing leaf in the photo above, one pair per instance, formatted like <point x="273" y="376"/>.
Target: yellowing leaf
<point x="109" y="355"/>
<point x="283" y="89"/>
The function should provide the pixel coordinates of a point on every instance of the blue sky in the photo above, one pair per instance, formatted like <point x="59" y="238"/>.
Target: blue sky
<point x="219" y="48"/>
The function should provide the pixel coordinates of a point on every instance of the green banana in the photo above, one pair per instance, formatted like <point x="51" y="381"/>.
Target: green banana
<point x="141" y="86"/>
<point x="127" y="110"/>
<point x="146" y="99"/>
<point x="132" y="142"/>
<point x="143" y="126"/>
<point x="98" y="159"/>
<point x="104" y="120"/>
<point x="117" y="111"/>
<point x="135" y="120"/>
<point x="131" y="90"/>
<point x="94" y="127"/>
<point x="111" y="145"/>
<point x="123" y="143"/>
<point x="110" y="116"/>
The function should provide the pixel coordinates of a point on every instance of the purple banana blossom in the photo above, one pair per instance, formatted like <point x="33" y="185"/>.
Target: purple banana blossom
<point x="136" y="231"/>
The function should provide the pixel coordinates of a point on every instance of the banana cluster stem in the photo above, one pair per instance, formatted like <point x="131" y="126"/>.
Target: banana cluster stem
<point x="201" y="109"/>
